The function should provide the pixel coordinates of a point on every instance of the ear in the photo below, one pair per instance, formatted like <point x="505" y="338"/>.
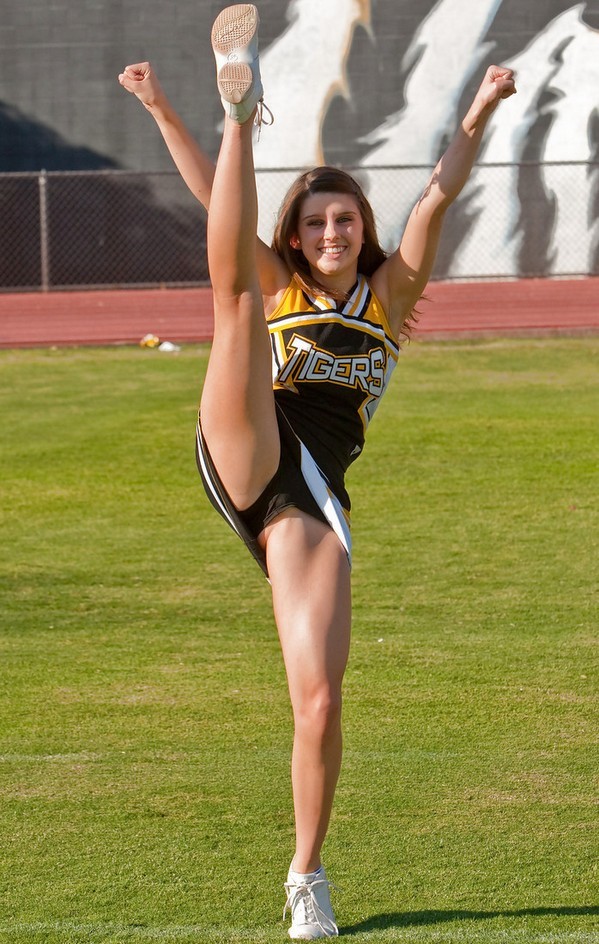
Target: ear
<point x="295" y="243"/>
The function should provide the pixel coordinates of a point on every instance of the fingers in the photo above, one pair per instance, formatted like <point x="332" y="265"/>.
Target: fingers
<point x="496" y="72"/>
<point x="503" y="79"/>
<point x="134" y="73"/>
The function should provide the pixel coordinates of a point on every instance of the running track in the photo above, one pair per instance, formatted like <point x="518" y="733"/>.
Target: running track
<point x="452" y="310"/>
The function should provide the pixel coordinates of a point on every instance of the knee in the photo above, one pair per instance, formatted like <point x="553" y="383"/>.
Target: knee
<point x="318" y="714"/>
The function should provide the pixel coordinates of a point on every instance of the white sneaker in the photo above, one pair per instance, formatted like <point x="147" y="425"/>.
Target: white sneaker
<point x="235" y="45"/>
<point x="310" y="905"/>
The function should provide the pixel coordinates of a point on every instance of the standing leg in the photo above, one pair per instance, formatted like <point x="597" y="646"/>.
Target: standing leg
<point x="310" y="579"/>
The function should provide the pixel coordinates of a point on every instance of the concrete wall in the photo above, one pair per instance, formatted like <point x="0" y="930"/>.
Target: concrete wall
<point x="363" y="83"/>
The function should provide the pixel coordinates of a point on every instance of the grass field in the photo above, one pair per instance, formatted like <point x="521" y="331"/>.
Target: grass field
<point x="144" y="725"/>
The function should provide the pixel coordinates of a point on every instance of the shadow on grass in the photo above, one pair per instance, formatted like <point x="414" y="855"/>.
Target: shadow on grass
<point x="406" y="919"/>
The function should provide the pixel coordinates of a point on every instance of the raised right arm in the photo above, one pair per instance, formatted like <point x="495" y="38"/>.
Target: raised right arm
<point x="195" y="167"/>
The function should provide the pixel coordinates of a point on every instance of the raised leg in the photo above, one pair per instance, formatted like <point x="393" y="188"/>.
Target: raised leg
<point x="237" y="409"/>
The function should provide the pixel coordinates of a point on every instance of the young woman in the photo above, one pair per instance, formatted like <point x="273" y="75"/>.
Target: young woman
<point x="322" y="312"/>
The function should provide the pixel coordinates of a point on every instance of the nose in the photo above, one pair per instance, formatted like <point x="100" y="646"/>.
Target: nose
<point x="330" y="230"/>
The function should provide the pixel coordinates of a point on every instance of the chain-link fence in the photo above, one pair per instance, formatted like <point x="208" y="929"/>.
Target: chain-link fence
<point x="110" y="229"/>
<point x="99" y="230"/>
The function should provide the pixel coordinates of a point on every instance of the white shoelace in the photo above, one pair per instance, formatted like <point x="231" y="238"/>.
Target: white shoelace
<point x="260" y="118"/>
<point x="304" y="892"/>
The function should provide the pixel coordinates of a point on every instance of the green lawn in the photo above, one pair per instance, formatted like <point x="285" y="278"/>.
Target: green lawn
<point x="144" y="724"/>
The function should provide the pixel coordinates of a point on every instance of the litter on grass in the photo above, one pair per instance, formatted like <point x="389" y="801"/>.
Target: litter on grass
<point x="153" y="341"/>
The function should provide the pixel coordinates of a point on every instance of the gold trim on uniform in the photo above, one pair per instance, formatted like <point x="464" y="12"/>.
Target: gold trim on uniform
<point x="365" y="366"/>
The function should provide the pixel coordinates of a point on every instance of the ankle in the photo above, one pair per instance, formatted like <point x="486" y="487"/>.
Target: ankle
<point x="305" y="866"/>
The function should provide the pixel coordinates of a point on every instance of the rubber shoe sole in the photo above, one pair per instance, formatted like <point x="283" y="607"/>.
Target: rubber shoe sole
<point x="235" y="44"/>
<point x="234" y="82"/>
<point x="234" y="28"/>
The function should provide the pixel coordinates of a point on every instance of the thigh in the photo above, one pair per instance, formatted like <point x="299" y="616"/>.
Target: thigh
<point x="311" y="588"/>
<point x="238" y="408"/>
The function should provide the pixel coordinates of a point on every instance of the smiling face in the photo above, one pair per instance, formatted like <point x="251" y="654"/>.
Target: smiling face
<point x="330" y="233"/>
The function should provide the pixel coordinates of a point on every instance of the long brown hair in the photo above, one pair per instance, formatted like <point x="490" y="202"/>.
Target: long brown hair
<point x="323" y="180"/>
<point x="328" y="179"/>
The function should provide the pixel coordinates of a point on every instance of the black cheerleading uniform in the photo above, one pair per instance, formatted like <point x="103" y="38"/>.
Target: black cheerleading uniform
<point x="332" y="361"/>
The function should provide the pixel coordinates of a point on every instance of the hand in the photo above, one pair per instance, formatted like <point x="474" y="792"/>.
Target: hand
<point x="498" y="83"/>
<point x="141" y="81"/>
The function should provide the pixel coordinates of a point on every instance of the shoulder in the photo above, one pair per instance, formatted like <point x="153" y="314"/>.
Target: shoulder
<point x="398" y="288"/>
<point x="378" y="311"/>
<point x="285" y="299"/>
<point x="395" y="300"/>
<point x="380" y="287"/>
<point x="274" y="276"/>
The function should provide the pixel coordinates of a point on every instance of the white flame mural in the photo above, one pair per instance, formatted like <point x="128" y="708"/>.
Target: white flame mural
<point x="528" y="211"/>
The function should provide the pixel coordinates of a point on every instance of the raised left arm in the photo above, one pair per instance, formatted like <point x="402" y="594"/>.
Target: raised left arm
<point x="401" y="279"/>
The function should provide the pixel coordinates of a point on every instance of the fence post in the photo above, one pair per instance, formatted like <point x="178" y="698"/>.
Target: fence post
<point x="44" y="243"/>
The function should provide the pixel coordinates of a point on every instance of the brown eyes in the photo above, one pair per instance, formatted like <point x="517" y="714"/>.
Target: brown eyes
<point x="340" y="219"/>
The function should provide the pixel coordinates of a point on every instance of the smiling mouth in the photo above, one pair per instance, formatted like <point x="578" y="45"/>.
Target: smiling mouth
<point x="332" y="250"/>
